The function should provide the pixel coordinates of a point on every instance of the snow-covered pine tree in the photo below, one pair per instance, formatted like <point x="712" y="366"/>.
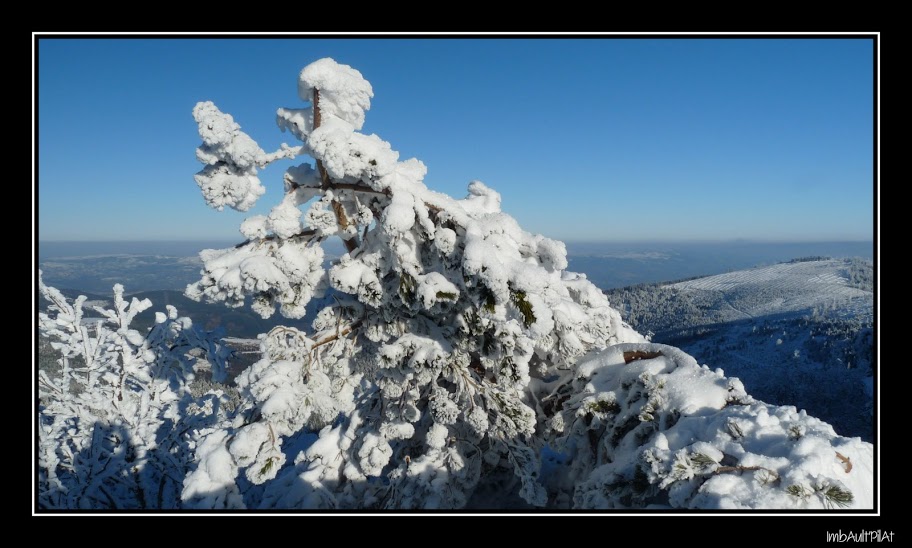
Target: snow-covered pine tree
<point x="453" y="350"/>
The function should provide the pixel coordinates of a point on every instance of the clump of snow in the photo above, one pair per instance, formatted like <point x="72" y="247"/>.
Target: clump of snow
<point x="482" y="199"/>
<point x="223" y="140"/>
<point x="254" y="227"/>
<point x="435" y="287"/>
<point x="344" y="93"/>
<point x="231" y="157"/>
<point x="285" y="219"/>
<point x="299" y="121"/>
<point x="212" y="485"/>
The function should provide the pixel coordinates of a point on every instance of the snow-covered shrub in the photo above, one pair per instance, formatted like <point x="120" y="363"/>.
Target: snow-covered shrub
<point x="644" y="425"/>
<point x="458" y="348"/>
<point x="117" y="424"/>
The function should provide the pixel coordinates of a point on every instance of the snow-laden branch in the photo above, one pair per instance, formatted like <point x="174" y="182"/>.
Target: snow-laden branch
<point x="231" y="157"/>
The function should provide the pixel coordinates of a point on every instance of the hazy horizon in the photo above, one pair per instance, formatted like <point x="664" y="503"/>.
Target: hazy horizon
<point x="575" y="247"/>
<point x="95" y="266"/>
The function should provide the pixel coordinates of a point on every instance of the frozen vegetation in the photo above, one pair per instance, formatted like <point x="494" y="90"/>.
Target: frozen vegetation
<point x="456" y="354"/>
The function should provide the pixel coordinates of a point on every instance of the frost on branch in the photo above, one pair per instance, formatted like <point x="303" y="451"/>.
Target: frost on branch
<point x="452" y="352"/>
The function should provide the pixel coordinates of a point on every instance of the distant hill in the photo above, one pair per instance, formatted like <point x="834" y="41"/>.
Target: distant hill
<point x="798" y="333"/>
<point x="98" y="274"/>
<point x="614" y="265"/>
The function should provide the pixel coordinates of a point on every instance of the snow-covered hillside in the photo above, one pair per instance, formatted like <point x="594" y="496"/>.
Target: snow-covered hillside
<point x="780" y="289"/>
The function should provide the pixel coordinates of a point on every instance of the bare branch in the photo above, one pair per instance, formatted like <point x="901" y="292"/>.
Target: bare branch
<point x="634" y="355"/>
<point x="339" y="333"/>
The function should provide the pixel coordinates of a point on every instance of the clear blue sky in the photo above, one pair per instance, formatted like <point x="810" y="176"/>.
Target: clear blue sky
<point x="586" y="139"/>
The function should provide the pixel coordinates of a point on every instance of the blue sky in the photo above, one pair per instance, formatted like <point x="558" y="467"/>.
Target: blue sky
<point x="586" y="139"/>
